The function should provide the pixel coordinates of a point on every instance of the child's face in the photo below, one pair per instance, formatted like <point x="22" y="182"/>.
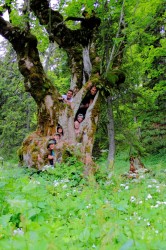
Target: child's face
<point x="76" y="124"/>
<point x="51" y="146"/>
<point x="69" y="95"/>
<point x="60" y="130"/>
<point x="93" y="90"/>
<point x="79" y="119"/>
<point x="56" y="137"/>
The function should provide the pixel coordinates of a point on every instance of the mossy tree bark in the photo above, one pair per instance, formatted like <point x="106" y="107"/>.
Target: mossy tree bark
<point x="50" y="110"/>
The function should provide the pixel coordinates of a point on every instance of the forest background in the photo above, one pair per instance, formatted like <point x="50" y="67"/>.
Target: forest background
<point x="138" y="104"/>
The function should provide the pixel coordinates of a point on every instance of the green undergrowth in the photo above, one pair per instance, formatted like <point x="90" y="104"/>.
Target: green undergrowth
<point x="60" y="209"/>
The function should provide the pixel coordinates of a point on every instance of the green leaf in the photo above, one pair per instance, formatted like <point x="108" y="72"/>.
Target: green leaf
<point x="4" y="219"/>
<point x="33" y="211"/>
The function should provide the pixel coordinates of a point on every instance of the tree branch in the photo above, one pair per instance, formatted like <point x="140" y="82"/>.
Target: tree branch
<point x="117" y="35"/>
<point x="25" y="45"/>
<point x="56" y="28"/>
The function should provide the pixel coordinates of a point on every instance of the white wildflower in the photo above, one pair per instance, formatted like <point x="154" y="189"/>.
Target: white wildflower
<point x="155" y="206"/>
<point x="149" y="186"/>
<point x="88" y="206"/>
<point x="64" y="186"/>
<point x="18" y="231"/>
<point x="94" y="246"/>
<point x="55" y="183"/>
<point x="148" y="223"/>
<point x="156" y="231"/>
<point x="122" y="185"/>
<point x="161" y="202"/>
<point x="149" y="196"/>
<point x="154" y="181"/>
<point x="132" y="199"/>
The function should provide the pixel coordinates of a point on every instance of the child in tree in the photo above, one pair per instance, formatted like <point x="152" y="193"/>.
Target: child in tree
<point x="77" y="127"/>
<point x="51" y="152"/>
<point x="68" y="98"/>
<point x="60" y="130"/>
<point x="87" y="101"/>
<point x="80" y="118"/>
<point x="57" y="138"/>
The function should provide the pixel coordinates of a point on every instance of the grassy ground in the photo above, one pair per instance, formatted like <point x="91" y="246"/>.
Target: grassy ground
<point x="59" y="209"/>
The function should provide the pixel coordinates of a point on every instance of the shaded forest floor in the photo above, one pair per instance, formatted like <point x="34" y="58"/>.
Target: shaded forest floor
<point x="59" y="209"/>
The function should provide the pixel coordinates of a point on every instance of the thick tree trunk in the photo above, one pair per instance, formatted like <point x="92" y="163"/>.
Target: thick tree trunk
<point x="35" y="146"/>
<point x="111" y="134"/>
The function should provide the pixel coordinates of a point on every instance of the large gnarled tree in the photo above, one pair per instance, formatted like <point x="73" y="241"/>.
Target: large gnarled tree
<point x="82" y="56"/>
